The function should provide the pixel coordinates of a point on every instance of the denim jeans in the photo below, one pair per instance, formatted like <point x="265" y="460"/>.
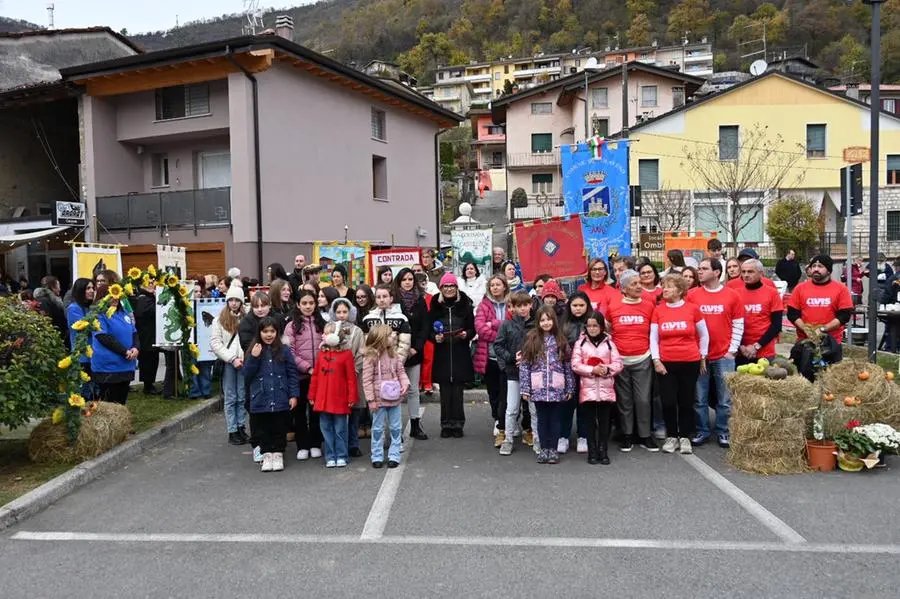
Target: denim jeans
<point x="201" y="383"/>
<point x="334" y="431"/>
<point x="395" y="423"/>
<point x="354" y="421"/>
<point x="718" y="369"/>
<point x="233" y="391"/>
<point x="412" y="395"/>
<point x="513" y="405"/>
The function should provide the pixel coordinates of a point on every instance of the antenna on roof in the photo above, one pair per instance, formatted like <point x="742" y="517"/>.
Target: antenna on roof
<point x="254" y="15"/>
<point x="50" y="8"/>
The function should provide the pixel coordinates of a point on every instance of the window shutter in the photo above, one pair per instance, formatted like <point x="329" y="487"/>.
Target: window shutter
<point x="728" y="143"/>
<point x="648" y="174"/>
<point x="196" y="100"/>
<point x="541" y="142"/>
<point x="893" y="162"/>
<point x="815" y="138"/>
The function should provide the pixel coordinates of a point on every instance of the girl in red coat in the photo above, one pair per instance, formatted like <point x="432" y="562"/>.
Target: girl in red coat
<point x="333" y="392"/>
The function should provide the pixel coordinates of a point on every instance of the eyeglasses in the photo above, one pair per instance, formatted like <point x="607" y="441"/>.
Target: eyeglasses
<point x="597" y="269"/>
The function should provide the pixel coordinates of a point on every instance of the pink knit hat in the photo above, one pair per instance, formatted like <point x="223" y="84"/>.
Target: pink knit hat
<point x="448" y="279"/>
<point x="551" y="287"/>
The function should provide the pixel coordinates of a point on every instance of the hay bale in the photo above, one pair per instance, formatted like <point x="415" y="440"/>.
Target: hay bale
<point x="764" y="462"/>
<point x="761" y="407"/>
<point x="107" y="427"/>
<point x="884" y="408"/>
<point x="791" y="396"/>
<point x="842" y="379"/>
<point x="784" y="430"/>
<point x="836" y="417"/>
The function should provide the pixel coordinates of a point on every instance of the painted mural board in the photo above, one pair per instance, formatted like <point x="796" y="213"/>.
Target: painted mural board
<point x="207" y="310"/>
<point x="89" y="259"/>
<point x="354" y="257"/>
<point x="472" y="245"/>
<point x="396" y="258"/>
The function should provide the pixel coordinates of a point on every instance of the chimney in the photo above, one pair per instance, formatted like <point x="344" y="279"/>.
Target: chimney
<point x="284" y="27"/>
<point x="853" y="91"/>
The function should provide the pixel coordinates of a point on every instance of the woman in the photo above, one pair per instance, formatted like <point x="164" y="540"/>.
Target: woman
<point x="325" y="297"/>
<point x="732" y="269"/>
<point x="227" y="348"/>
<point x="339" y="282"/>
<point x="490" y="315"/>
<point x="82" y="298"/>
<point x="303" y="336"/>
<point x="452" y="359"/>
<point x="365" y="301"/>
<point x="115" y="348"/>
<point x="649" y="279"/>
<point x="597" y="288"/>
<point x="512" y="276"/>
<point x="472" y="284"/>
<point x="276" y="272"/>
<point x="572" y="323"/>
<point x="675" y="261"/>
<point x="385" y="275"/>
<point x="691" y="276"/>
<point x="678" y="344"/>
<point x="425" y="286"/>
<point x="280" y="295"/>
<point x="412" y="304"/>
<point x="538" y="284"/>
<point x="212" y="284"/>
<point x="629" y="324"/>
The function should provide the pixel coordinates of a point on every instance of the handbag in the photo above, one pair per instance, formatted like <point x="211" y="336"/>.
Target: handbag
<point x="388" y="390"/>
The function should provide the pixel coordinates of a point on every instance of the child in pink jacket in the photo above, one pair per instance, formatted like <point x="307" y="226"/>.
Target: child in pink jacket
<point x="385" y="383"/>
<point x="597" y="361"/>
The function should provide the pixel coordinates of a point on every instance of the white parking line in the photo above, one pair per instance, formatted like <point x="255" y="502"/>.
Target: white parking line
<point x="381" y="508"/>
<point x="565" y="542"/>
<point x="765" y="517"/>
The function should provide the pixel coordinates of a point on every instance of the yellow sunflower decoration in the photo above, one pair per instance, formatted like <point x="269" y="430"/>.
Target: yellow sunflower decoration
<point x="134" y="272"/>
<point x="76" y="401"/>
<point x="65" y="363"/>
<point x="116" y="291"/>
<point x="172" y="280"/>
<point x="80" y="325"/>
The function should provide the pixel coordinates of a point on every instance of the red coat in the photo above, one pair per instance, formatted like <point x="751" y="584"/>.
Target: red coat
<point x="333" y="387"/>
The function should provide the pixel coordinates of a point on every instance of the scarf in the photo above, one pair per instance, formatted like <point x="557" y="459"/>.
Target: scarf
<point x="408" y="300"/>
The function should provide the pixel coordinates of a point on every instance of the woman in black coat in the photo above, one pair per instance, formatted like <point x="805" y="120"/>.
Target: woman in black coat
<point x="412" y="303"/>
<point x="452" y="357"/>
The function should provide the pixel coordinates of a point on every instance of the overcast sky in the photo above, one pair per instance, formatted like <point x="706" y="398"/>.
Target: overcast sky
<point x="136" y="16"/>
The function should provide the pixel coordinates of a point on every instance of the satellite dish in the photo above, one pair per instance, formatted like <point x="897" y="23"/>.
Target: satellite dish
<point x="591" y="63"/>
<point x="758" y="67"/>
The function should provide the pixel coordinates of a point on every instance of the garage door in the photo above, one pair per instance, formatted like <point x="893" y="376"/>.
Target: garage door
<point x="202" y="258"/>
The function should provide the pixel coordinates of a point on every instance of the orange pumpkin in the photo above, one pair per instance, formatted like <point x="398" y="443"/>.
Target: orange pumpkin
<point x="889" y="375"/>
<point x="864" y="375"/>
<point x="828" y="397"/>
<point x="849" y="401"/>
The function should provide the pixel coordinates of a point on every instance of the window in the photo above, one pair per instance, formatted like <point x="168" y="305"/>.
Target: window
<point x="648" y="174"/>
<point x="893" y="169"/>
<point x="577" y="62"/>
<point x="496" y="76"/>
<point x="496" y="160"/>
<point x="893" y="225"/>
<point x="600" y="98"/>
<point x="728" y="142"/>
<point x="379" y="178"/>
<point x="378" y="124"/>
<point x="159" y="170"/>
<point x="182" y="101"/>
<point x="542" y="183"/>
<point x="677" y="97"/>
<point x="441" y="75"/>
<point x="495" y="130"/>
<point x="889" y="106"/>
<point x="541" y="108"/>
<point x="711" y="217"/>
<point x="506" y="69"/>
<point x="600" y="126"/>
<point x="815" y="141"/>
<point x="541" y="142"/>
<point x="648" y="96"/>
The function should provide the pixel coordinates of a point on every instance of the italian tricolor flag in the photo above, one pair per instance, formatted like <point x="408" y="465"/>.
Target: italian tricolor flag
<point x="595" y="145"/>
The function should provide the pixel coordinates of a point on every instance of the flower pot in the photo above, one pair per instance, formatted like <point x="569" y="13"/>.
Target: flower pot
<point x="849" y="462"/>
<point x="821" y="455"/>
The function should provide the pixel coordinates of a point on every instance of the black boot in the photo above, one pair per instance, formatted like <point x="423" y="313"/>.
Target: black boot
<point x="235" y="439"/>
<point x="604" y="455"/>
<point x="243" y="433"/>
<point x="416" y="431"/>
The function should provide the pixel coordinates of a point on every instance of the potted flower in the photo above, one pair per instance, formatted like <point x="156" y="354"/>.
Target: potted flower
<point x="855" y="449"/>
<point x="820" y="452"/>
<point x="884" y="437"/>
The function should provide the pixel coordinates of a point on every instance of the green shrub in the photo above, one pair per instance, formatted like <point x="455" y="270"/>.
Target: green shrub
<point x="519" y="198"/>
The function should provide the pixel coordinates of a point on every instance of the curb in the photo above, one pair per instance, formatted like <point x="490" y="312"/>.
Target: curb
<point x="36" y="500"/>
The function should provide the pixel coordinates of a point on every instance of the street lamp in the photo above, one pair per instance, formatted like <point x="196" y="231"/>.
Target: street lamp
<point x="590" y="65"/>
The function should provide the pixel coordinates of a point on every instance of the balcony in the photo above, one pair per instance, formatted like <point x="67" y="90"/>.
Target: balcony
<point x="699" y="70"/>
<point x="537" y="71"/>
<point x="698" y="57"/>
<point x="188" y="209"/>
<point x="478" y="78"/>
<point x="532" y="159"/>
<point x="540" y="206"/>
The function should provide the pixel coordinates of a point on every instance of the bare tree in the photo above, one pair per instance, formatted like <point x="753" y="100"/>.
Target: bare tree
<point x="669" y="209"/>
<point x="745" y="176"/>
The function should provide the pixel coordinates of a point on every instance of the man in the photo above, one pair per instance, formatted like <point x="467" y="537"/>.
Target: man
<point x="714" y="249"/>
<point x="620" y="264"/>
<point x="145" y="322"/>
<point x="498" y="257"/>
<point x="433" y="270"/>
<point x="745" y="255"/>
<point x="48" y="298"/>
<point x="821" y="303"/>
<point x="788" y="270"/>
<point x="724" y="314"/>
<point x="312" y="273"/>
<point x="763" y="312"/>
<point x="430" y="287"/>
<point x="296" y="278"/>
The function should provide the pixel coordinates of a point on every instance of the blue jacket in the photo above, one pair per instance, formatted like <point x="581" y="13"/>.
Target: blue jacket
<point x="272" y="382"/>
<point x="121" y="328"/>
<point x="74" y="313"/>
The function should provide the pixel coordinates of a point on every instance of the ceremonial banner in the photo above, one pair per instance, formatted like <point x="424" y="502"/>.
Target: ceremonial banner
<point x="595" y="186"/>
<point x="207" y="310"/>
<point x="551" y="246"/>
<point x="397" y="259"/>
<point x="471" y="245"/>
<point x="352" y="256"/>
<point x="172" y="260"/>
<point x="89" y="259"/>
<point x="168" y="332"/>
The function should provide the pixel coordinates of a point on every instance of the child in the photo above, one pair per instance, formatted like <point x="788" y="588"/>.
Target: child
<point x="508" y="347"/>
<point x="333" y="392"/>
<point x="597" y="361"/>
<point x="226" y="347"/>
<point x="385" y="383"/>
<point x="303" y="335"/>
<point x="342" y="310"/>
<point x="391" y="314"/>
<point x="274" y="388"/>
<point x="545" y="377"/>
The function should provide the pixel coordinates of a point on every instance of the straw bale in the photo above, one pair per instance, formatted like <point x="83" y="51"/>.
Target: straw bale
<point x="108" y="426"/>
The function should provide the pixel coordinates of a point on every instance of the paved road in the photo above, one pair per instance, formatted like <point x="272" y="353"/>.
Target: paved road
<point x="197" y="519"/>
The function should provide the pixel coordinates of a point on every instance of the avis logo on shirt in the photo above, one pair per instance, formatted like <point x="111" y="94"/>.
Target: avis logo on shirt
<point x="677" y="325"/>
<point x="818" y="302"/>
<point x="712" y="309"/>
<point x="638" y="319"/>
<point x="753" y="308"/>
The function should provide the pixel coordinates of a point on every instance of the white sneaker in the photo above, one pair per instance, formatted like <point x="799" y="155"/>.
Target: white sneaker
<point x="341" y="463"/>
<point x="330" y="464"/>
<point x="257" y="455"/>
<point x="303" y="454"/>
<point x="496" y="430"/>
<point x="277" y="462"/>
<point x="670" y="445"/>
<point x="267" y="462"/>
<point x="506" y="447"/>
<point x="562" y="446"/>
<point x="582" y="445"/>
<point x="315" y="452"/>
<point x="685" y="444"/>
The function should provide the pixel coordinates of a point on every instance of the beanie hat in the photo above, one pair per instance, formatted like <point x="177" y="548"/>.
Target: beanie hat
<point x="448" y="279"/>
<point x="234" y="272"/>
<point x="824" y="260"/>
<point x="551" y="287"/>
<point x="235" y="291"/>
<point x="748" y="253"/>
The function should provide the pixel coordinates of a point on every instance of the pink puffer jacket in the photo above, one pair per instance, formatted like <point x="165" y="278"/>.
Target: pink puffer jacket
<point x="487" y="325"/>
<point x="585" y="357"/>
<point x="304" y="345"/>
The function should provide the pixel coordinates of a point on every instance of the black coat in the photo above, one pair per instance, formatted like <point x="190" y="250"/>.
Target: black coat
<point x="247" y="330"/>
<point x="418" y="324"/>
<point x="510" y="340"/>
<point x="144" y="305"/>
<point x="453" y="357"/>
<point x="789" y="272"/>
<point x="52" y="306"/>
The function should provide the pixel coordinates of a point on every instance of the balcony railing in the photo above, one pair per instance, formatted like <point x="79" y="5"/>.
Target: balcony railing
<point x="188" y="209"/>
<point x="540" y="206"/>
<point x="532" y="159"/>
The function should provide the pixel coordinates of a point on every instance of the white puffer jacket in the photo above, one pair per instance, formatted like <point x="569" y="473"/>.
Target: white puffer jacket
<point x="219" y="340"/>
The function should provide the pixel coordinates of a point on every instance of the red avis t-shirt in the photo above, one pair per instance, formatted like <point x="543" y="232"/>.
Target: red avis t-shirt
<point x="678" y="338"/>
<point x="719" y="309"/>
<point x="758" y="307"/>
<point x="738" y="283"/>
<point x="819" y="304"/>
<point x="601" y="296"/>
<point x="630" y="326"/>
<point x="653" y="296"/>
